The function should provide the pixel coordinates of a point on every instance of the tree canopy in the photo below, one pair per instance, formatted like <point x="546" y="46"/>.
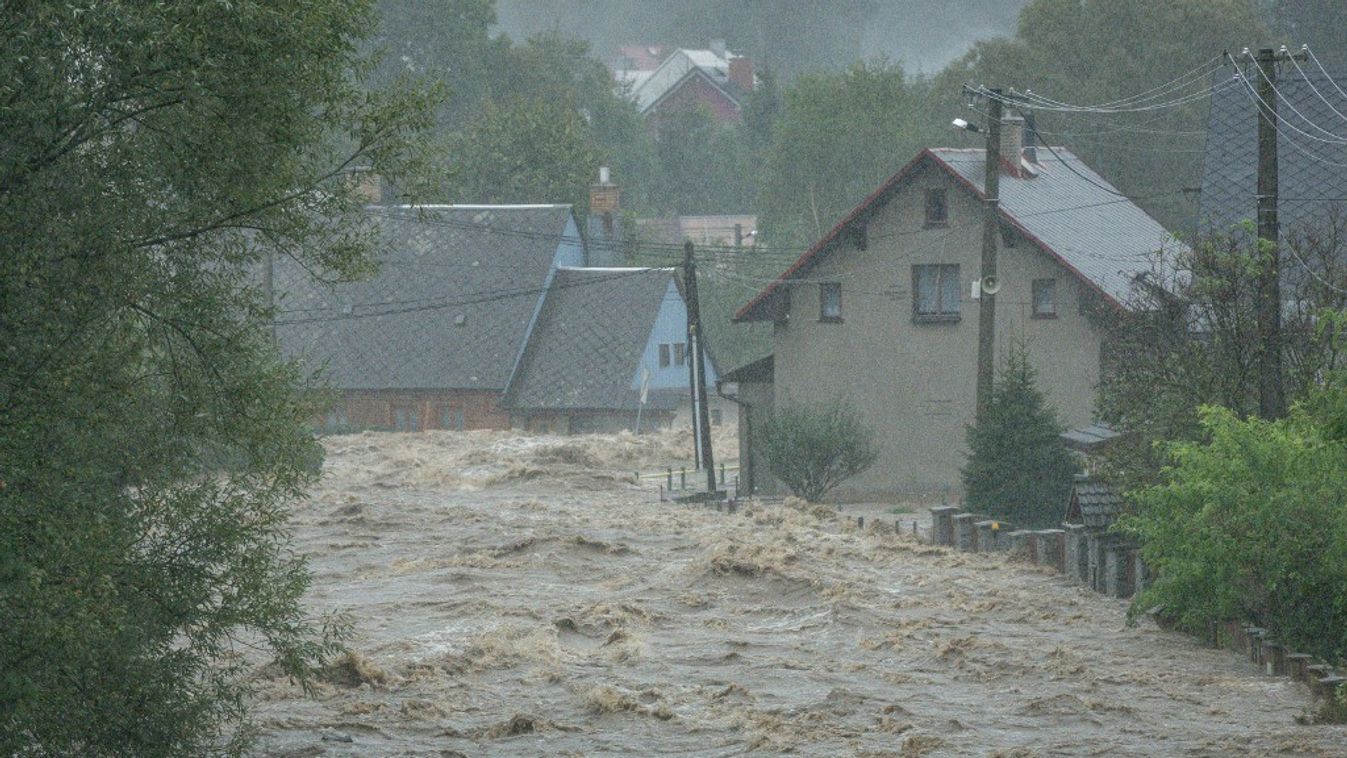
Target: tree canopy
<point x="150" y="437"/>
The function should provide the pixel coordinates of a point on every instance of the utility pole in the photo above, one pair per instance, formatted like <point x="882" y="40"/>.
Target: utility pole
<point x="1271" y="400"/>
<point x="990" y="231"/>
<point x="700" y="416"/>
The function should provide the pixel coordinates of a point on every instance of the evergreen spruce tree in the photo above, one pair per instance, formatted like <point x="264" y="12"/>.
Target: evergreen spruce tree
<point x="1018" y="469"/>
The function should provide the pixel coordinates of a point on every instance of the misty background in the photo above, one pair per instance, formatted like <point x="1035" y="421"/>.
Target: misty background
<point x="845" y="94"/>
<point x="789" y="36"/>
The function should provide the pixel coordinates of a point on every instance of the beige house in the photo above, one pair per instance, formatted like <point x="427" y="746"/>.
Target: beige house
<point x="882" y="313"/>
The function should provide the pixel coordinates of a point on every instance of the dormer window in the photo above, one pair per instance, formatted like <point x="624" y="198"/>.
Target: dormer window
<point x="937" y="208"/>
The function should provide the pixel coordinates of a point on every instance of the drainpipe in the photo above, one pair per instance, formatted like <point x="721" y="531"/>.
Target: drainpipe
<point x="745" y="431"/>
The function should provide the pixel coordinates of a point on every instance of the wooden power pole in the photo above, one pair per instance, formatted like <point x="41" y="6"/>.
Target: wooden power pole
<point x="701" y="416"/>
<point x="1271" y="399"/>
<point x="990" y="231"/>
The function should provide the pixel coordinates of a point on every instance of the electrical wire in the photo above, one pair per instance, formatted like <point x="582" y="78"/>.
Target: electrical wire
<point x="1134" y="104"/>
<point x="1258" y="101"/>
<point x="1304" y="76"/>
<point x="1199" y="72"/>
<point x="1336" y="139"/>
<point x="1310" y="54"/>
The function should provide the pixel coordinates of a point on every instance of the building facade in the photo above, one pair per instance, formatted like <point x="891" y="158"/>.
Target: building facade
<point x="882" y="313"/>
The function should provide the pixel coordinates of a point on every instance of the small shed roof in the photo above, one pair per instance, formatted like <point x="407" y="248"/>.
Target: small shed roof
<point x="1088" y="439"/>
<point x="1093" y="503"/>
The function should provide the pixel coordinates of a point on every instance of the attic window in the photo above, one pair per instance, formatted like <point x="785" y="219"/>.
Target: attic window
<point x="1045" y="298"/>
<point x="830" y="301"/>
<point x="673" y="354"/>
<point x="860" y="235"/>
<point x="937" y="208"/>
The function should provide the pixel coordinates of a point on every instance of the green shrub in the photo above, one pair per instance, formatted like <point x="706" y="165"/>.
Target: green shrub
<point x="812" y="449"/>
<point x="1018" y="469"/>
<point x="1252" y="525"/>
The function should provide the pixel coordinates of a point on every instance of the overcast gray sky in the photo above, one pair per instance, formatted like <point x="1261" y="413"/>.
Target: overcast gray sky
<point x="922" y="34"/>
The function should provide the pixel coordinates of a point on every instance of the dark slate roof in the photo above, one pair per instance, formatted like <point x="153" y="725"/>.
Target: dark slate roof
<point x="763" y="370"/>
<point x="1093" y="504"/>
<point x="1306" y="167"/>
<point x="1064" y="208"/>
<point x="587" y="346"/>
<point x="449" y="308"/>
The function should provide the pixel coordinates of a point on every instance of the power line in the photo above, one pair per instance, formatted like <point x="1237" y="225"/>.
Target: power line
<point x="1315" y="89"/>
<point x="1130" y="103"/>
<point x="1336" y="139"/>
<point x="1310" y="54"/>
<point x="1258" y="101"/>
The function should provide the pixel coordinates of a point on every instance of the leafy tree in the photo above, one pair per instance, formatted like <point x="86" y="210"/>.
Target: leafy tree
<point x="1249" y="525"/>
<point x="701" y="165"/>
<point x="1018" y="469"/>
<point x="150" y="437"/>
<point x="837" y="138"/>
<point x="447" y="43"/>
<point x="525" y="149"/>
<point x="811" y="450"/>
<point x="562" y="71"/>
<point x="1189" y="337"/>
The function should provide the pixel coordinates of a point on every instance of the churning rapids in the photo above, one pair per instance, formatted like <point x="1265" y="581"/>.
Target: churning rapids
<point x="525" y="596"/>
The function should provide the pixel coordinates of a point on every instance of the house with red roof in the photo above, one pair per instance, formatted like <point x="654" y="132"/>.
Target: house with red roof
<point x="882" y="313"/>
<point x="714" y="78"/>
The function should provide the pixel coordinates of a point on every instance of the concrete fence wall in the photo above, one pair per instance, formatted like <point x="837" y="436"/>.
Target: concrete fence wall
<point x="1110" y="565"/>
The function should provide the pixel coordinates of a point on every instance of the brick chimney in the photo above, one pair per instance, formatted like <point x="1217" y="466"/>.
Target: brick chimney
<point x="1012" y="144"/>
<point x="741" y="72"/>
<point x="604" y="197"/>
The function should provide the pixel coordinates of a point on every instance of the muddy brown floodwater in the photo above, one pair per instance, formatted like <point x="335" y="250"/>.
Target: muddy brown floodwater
<point x="524" y="596"/>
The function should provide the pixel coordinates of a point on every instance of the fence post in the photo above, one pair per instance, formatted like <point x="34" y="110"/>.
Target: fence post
<point x="942" y="525"/>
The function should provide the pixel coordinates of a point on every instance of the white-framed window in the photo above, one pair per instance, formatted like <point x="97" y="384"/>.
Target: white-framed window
<point x="935" y="292"/>
<point x="1045" y="298"/>
<point x="830" y="301"/>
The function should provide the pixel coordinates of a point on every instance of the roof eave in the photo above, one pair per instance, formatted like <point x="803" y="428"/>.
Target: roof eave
<point x="752" y="311"/>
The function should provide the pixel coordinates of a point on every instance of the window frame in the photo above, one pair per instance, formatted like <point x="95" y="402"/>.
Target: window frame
<point x="823" y="315"/>
<point x="665" y="355"/>
<point x="1036" y="286"/>
<point x="941" y="315"/>
<point x="943" y="204"/>
<point x="680" y="354"/>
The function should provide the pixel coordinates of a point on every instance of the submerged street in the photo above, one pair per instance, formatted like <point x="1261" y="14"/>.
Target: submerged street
<point x="522" y="596"/>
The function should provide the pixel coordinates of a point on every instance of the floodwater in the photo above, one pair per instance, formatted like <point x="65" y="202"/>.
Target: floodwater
<point x="525" y="596"/>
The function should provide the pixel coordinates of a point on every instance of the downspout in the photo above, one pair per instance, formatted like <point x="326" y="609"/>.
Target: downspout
<point x="746" y="432"/>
